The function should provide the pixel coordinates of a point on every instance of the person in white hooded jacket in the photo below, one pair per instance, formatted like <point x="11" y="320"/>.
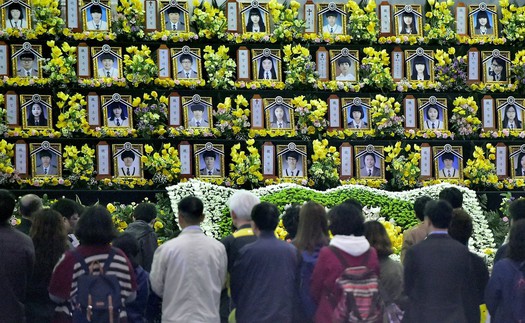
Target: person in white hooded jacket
<point x="347" y="226"/>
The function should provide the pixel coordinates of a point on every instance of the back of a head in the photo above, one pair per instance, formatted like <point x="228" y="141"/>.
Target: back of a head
<point x="67" y="207"/>
<point x="419" y="206"/>
<point x="7" y="205"/>
<point x="355" y="203"/>
<point x="129" y="245"/>
<point x="516" y="249"/>
<point x="346" y="220"/>
<point x="378" y="238"/>
<point x="95" y="226"/>
<point x="265" y="216"/>
<point x="291" y="220"/>
<point x="439" y="213"/>
<point x="48" y="226"/>
<point x="29" y="204"/>
<point x="312" y="230"/>
<point x="242" y="203"/>
<point x="146" y="212"/>
<point x="517" y="209"/>
<point x="453" y="196"/>
<point x="460" y="227"/>
<point x="191" y="208"/>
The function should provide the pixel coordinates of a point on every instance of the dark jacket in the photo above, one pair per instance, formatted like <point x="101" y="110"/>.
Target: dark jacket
<point x="479" y="276"/>
<point x="137" y="309"/>
<point x="147" y="239"/>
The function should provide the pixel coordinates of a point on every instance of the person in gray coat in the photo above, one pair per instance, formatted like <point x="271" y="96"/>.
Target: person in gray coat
<point x="141" y="228"/>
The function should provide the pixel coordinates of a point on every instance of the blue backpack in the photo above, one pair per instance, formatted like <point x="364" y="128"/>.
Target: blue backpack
<point x="518" y="307"/>
<point x="307" y="268"/>
<point x="98" y="294"/>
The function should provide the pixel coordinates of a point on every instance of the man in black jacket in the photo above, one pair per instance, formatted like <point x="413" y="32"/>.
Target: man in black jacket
<point x="144" y="217"/>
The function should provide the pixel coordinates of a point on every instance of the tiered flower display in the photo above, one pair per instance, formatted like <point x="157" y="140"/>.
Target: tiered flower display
<point x="325" y="164"/>
<point x="220" y="67"/>
<point x="164" y="164"/>
<point x="287" y="24"/>
<point x="464" y="120"/>
<point x="300" y="67"/>
<point x="375" y="70"/>
<point x="385" y="116"/>
<point x="404" y="162"/>
<point x="130" y="19"/>
<point x="245" y="168"/>
<point x="139" y="68"/>
<point x="440" y="24"/>
<point x="363" y="23"/>
<point x="73" y="117"/>
<point x="151" y="112"/>
<point x="61" y="67"/>
<point x="481" y="170"/>
<point x="209" y="19"/>
<point x="233" y="122"/>
<point x="451" y="72"/>
<point x="79" y="165"/>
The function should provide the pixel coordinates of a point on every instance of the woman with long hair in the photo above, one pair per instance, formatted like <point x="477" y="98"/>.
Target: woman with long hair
<point x="520" y="167"/>
<point x="279" y="118"/>
<point x="419" y="69"/>
<point x="267" y="69"/>
<point x="408" y="23"/>
<point x="510" y="117"/>
<point x="36" y="116"/>
<point x="255" y="21"/>
<point x="15" y="16"/>
<point x="483" y="26"/>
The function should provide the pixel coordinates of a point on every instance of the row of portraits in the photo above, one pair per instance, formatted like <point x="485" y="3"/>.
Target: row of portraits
<point x="35" y="112"/>
<point x="209" y="161"/>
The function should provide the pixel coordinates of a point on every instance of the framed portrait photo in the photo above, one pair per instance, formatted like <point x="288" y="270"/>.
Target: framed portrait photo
<point x="117" y="110"/>
<point x="517" y="161"/>
<point x="483" y="20"/>
<point x="292" y="160"/>
<point x="370" y="161"/>
<point x="36" y="111"/>
<point x="197" y="111"/>
<point x="174" y="16"/>
<point x="26" y="60"/>
<point x="46" y="159"/>
<point x="510" y="113"/>
<point x="209" y="160"/>
<point x="279" y="113"/>
<point x="496" y="66"/>
<point x="408" y="20"/>
<point x="107" y="61"/>
<point x="356" y="113"/>
<point x="433" y="113"/>
<point x="16" y="14"/>
<point x="266" y="64"/>
<point x="186" y="63"/>
<point x="331" y="18"/>
<point x="344" y="65"/>
<point x="127" y="160"/>
<point x="255" y="17"/>
<point x="448" y="161"/>
<point x="96" y="16"/>
<point x="419" y="65"/>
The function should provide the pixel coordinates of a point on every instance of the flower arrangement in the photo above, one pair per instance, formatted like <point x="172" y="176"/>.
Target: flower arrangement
<point x="73" y="115"/>
<point x="129" y="19"/>
<point x="79" y="164"/>
<point x="287" y="24"/>
<point x="121" y="214"/>
<point x="517" y="68"/>
<point x="300" y="68"/>
<point x="385" y="117"/>
<point x="464" y="120"/>
<point x="164" y="164"/>
<point x="325" y="164"/>
<point x="395" y="233"/>
<point x="440" y="23"/>
<point x="310" y="116"/>
<point x="404" y="162"/>
<point x="480" y="171"/>
<point x="61" y="67"/>
<point x="363" y="23"/>
<point x="233" y="122"/>
<point x="375" y="71"/>
<point x="513" y="21"/>
<point x="209" y="19"/>
<point x="139" y="68"/>
<point x="8" y="174"/>
<point x="451" y="73"/>
<point x="245" y="170"/>
<point x="220" y="67"/>
<point x="47" y="15"/>
<point x="151" y="114"/>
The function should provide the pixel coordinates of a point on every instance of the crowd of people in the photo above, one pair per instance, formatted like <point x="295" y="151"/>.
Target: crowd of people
<point x="334" y="266"/>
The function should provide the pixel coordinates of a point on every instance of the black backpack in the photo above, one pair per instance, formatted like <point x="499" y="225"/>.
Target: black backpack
<point x="98" y="294"/>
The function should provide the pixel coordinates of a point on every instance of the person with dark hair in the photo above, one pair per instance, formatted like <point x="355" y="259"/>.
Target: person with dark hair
<point x="355" y="203"/>
<point x="264" y="273"/>
<point x="108" y="69"/>
<point x="511" y="117"/>
<point x="291" y="221"/>
<point x="312" y="235"/>
<point x="436" y="271"/>
<point x="255" y="22"/>
<point x="15" y="16"/>
<point x="95" y="231"/>
<point x="357" y="114"/>
<point x="186" y="71"/>
<point x="520" y="165"/>
<point x="453" y="196"/>
<point x="17" y="258"/>
<point x="293" y="165"/>
<point x="419" y="69"/>
<point x="505" y="289"/>
<point x="516" y="212"/>
<point x="418" y="233"/>
<point x="331" y="26"/>
<point x="483" y="26"/>
<point x="348" y="243"/>
<point x="267" y="69"/>
<point x="279" y="117"/>
<point x="70" y="211"/>
<point x="49" y="236"/>
<point x="189" y="271"/>
<point x="46" y="167"/>
<point x="117" y="115"/>
<point x="28" y="206"/>
<point x="448" y="170"/>
<point x="174" y="22"/>
<point x="27" y="65"/>
<point x="390" y="271"/>
<point x="368" y="167"/>
<point x="199" y="115"/>
<point x="141" y="228"/>
<point x="461" y="229"/>
<point x="497" y="70"/>
<point x="432" y="118"/>
<point x="408" y="23"/>
<point x="128" y="169"/>
<point x="35" y="116"/>
<point x="209" y="169"/>
<point x="136" y="309"/>
<point x="344" y="63"/>
<point x="96" y="22"/>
